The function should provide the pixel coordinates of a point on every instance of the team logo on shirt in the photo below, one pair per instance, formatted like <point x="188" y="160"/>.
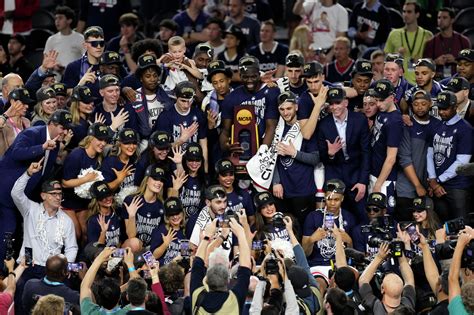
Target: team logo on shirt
<point x="442" y="148"/>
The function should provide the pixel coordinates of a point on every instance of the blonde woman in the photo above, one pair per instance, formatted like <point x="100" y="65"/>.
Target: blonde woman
<point x="46" y="106"/>
<point x="168" y="237"/>
<point x="87" y="156"/>
<point x="104" y="225"/>
<point x="301" y="40"/>
<point x="82" y="106"/>
<point x="118" y="168"/>
<point x="140" y="222"/>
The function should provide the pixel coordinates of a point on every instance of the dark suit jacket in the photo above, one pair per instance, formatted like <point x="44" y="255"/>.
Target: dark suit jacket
<point x="356" y="168"/>
<point x="26" y="148"/>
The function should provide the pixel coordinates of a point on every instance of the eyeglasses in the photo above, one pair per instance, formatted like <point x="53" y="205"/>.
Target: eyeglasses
<point x="56" y="194"/>
<point x="96" y="43"/>
<point x="372" y="209"/>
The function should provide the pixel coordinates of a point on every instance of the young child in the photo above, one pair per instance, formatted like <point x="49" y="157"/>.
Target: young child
<point x="177" y="66"/>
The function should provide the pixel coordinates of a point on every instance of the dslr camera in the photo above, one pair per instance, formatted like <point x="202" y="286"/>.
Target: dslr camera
<point x="277" y="220"/>
<point x="271" y="265"/>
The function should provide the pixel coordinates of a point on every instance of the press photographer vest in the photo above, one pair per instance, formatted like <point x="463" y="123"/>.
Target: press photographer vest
<point x="304" y="308"/>
<point x="229" y="307"/>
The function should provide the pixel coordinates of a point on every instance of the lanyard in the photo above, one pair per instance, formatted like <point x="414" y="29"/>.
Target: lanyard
<point x="411" y="49"/>
<point x="15" y="127"/>
<point x="53" y="283"/>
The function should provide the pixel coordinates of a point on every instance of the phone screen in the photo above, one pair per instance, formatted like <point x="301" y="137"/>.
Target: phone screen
<point x="148" y="257"/>
<point x="329" y="221"/>
<point x="184" y="248"/>
<point x="74" y="267"/>
<point x="28" y="256"/>
<point x="411" y="230"/>
<point x="119" y="252"/>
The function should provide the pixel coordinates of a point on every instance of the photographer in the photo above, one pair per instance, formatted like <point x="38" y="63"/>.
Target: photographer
<point x="460" y="298"/>
<point x="218" y="297"/>
<point x="268" y="222"/>
<point x="274" y="303"/>
<point x="394" y="292"/>
<point x="52" y="283"/>
<point x="376" y="208"/>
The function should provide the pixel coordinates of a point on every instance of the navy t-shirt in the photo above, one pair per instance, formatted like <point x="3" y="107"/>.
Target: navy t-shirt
<point x="173" y="248"/>
<point x="387" y="132"/>
<point x="272" y="233"/>
<point x="305" y="105"/>
<point x="269" y="60"/>
<point x="448" y="141"/>
<point x="170" y="121"/>
<point x="109" y="175"/>
<point x="190" y="195"/>
<point x="79" y="133"/>
<point x="113" y="236"/>
<point x="264" y="101"/>
<point x="144" y="161"/>
<point x="132" y="118"/>
<point x="325" y="249"/>
<point x="299" y="90"/>
<point x="74" y="163"/>
<point x="296" y="177"/>
<point x="148" y="217"/>
<point x="239" y="200"/>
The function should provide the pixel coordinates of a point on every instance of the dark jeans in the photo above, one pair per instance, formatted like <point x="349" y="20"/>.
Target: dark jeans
<point x="8" y="219"/>
<point x="456" y="203"/>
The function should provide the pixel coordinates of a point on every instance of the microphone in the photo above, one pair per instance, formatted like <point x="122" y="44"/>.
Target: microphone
<point x="465" y="169"/>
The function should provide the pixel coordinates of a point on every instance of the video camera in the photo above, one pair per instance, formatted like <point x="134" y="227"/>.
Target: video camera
<point x="380" y="230"/>
<point x="277" y="220"/>
<point x="271" y="265"/>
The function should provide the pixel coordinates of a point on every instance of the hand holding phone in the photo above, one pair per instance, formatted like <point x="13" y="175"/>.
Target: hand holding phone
<point x="29" y="256"/>
<point x="149" y="258"/>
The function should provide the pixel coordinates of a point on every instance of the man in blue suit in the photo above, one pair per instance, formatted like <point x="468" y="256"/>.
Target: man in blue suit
<point x="343" y="143"/>
<point x="30" y="145"/>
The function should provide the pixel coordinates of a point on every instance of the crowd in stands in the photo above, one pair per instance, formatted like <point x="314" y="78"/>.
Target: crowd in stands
<point x="188" y="157"/>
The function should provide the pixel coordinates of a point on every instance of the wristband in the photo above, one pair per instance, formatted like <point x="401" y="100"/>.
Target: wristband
<point x="12" y="273"/>
<point x="131" y="269"/>
<point x="206" y="238"/>
<point x="5" y="115"/>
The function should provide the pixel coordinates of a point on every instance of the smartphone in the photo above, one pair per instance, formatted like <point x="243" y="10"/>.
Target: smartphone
<point x="74" y="267"/>
<point x="184" y="248"/>
<point x="329" y="221"/>
<point x="146" y="274"/>
<point x="149" y="259"/>
<point x="257" y="245"/>
<point x="405" y="224"/>
<point x="29" y="256"/>
<point x="221" y="220"/>
<point x="119" y="252"/>
<point x="411" y="230"/>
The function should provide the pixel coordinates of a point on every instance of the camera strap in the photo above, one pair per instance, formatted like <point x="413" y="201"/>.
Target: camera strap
<point x="199" y="301"/>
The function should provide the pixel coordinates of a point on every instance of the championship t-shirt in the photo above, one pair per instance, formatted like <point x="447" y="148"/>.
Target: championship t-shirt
<point x="387" y="132"/>
<point x="190" y="195"/>
<point x="264" y="103"/>
<point x="173" y="248"/>
<point x="148" y="217"/>
<point x="113" y="236"/>
<point x="325" y="249"/>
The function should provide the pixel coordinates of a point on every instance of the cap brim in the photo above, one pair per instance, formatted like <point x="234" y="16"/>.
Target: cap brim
<point x="162" y="146"/>
<point x="173" y="212"/>
<point x="368" y="73"/>
<point x="458" y="58"/>
<point x="27" y="100"/>
<point x="158" y="177"/>
<point x="334" y="100"/>
<point x="304" y="292"/>
<point x="441" y="105"/>
<point x="89" y="99"/>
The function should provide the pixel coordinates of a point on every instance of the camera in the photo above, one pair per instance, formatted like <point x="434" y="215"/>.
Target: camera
<point x="397" y="248"/>
<point x="8" y="240"/>
<point x="277" y="220"/>
<point x="453" y="227"/>
<point x="271" y="265"/>
<point x="380" y="230"/>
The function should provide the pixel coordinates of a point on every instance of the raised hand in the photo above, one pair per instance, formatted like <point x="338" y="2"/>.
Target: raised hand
<point x="179" y="178"/>
<point x="187" y="132"/>
<point x="135" y="204"/>
<point x="127" y="170"/>
<point x="89" y="76"/>
<point x="178" y="153"/>
<point x="99" y="118"/>
<point x="119" y="120"/>
<point x="49" y="60"/>
<point x="35" y="167"/>
<point x="212" y="119"/>
<point x="168" y="238"/>
<point x="104" y="226"/>
<point x="50" y="144"/>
